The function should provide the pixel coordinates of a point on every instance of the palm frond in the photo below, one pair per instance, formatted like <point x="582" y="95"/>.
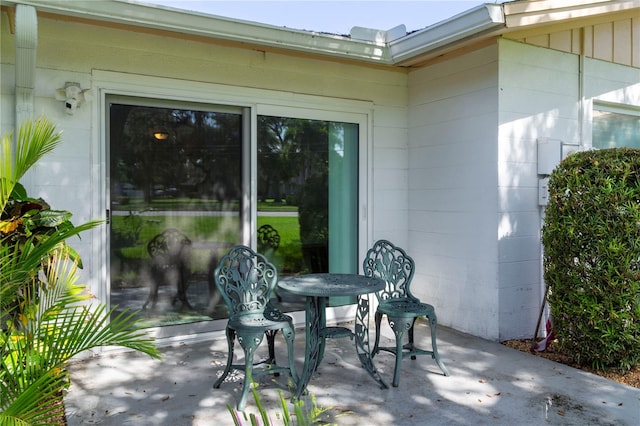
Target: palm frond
<point x="25" y="403"/>
<point x="35" y="139"/>
<point x="7" y="181"/>
<point x="45" y="319"/>
<point x="20" y="267"/>
<point x="86" y="327"/>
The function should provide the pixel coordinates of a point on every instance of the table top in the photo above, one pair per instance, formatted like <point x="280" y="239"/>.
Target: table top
<point x="329" y="284"/>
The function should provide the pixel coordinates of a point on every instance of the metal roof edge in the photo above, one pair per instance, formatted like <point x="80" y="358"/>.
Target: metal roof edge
<point x="479" y="20"/>
<point x="521" y="14"/>
<point x="484" y="20"/>
<point x="187" y="22"/>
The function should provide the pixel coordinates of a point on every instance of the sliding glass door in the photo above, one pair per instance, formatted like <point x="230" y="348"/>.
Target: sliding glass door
<point x="182" y="191"/>
<point x="308" y="196"/>
<point x="175" y="201"/>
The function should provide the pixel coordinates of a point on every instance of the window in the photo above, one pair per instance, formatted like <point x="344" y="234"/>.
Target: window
<point x="180" y="195"/>
<point x="308" y="193"/>
<point x="615" y="126"/>
<point x="175" y="202"/>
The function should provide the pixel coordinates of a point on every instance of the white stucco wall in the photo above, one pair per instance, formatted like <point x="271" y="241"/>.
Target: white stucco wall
<point x="474" y="215"/>
<point x="539" y="98"/>
<point x="452" y="147"/>
<point x="71" y="178"/>
<point x="452" y="189"/>
<point x="611" y="83"/>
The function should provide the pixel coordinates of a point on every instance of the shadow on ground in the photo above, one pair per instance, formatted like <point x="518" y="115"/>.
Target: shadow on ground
<point x="489" y="384"/>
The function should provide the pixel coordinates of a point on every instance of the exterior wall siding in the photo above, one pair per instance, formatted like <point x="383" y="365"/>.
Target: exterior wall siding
<point x="608" y="82"/>
<point x="452" y="189"/>
<point x="615" y="41"/>
<point x="70" y="178"/>
<point x="539" y="98"/>
<point x="453" y="146"/>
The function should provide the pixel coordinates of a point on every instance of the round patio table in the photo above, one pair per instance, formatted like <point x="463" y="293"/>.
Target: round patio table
<point x="317" y="288"/>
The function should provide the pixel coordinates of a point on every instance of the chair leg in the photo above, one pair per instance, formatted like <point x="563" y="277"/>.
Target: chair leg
<point x="411" y="346"/>
<point x="271" y="336"/>
<point x="249" y="343"/>
<point x="231" y="336"/>
<point x="289" y="336"/>
<point x="157" y="277"/>
<point x="399" y="327"/>
<point x="433" y="321"/>
<point x="378" y="319"/>
<point x="183" y="285"/>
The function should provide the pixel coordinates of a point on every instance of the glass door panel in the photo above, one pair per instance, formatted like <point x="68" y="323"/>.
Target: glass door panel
<point x="307" y="197"/>
<point x="175" y="202"/>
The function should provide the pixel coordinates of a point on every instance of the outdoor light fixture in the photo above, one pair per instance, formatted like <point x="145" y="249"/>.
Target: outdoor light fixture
<point x="160" y="135"/>
<point x="72" y="95"/>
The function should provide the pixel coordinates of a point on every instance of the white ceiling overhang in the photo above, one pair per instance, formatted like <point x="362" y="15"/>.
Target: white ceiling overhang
<point x="484" y="21"/>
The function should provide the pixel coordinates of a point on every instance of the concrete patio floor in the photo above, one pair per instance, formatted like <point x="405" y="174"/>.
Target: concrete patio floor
<point x="489" y="384"/>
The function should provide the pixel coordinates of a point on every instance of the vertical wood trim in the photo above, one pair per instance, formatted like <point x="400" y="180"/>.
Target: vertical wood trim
<point x="603" y="41"/>
<point x="634" y="43"/>
<point x="576" y="41"/>
<point x="560" y="41"/>
<point x="541" y="40"/>
<point x="588" y="41"/>
<point x="622" y="42"/>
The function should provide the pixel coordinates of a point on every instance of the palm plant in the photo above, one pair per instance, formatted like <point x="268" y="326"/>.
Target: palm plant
<point x="45" y="315"/>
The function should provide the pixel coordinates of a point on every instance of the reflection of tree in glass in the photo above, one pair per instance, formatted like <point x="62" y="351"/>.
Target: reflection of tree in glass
<point x="293" y="160"/>
<point x="198" y="159"/>
<point x="615" y="130"/>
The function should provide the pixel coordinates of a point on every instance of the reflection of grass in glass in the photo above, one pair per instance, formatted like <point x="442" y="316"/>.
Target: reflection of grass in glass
<point x="197" y="228"/>
<point x="181" y="204"/>
<point x="275" y="206"/>
<point x="288" y="257"/>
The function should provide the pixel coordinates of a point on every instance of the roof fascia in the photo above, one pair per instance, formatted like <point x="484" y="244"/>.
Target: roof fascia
<point x="211" y="26"/>
<point x="431" y="39"/>
<point x="471" y="26"/>
<point x="521" y="14"/>
<point x="481" y="20"/>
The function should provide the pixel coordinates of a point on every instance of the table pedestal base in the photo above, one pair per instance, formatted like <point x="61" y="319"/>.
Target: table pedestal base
<point x="317" y="332"/>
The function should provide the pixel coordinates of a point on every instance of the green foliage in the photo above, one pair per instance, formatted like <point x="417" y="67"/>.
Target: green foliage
<point x="301" y="416"/>
<point x="45" y="318"/>
<point x="591" y="238"/>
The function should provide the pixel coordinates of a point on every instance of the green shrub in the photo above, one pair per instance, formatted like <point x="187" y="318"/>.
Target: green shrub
<point x="591" y="238"/>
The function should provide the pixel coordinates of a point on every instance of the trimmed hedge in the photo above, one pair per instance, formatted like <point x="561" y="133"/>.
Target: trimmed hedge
<point x="591" y="239"/>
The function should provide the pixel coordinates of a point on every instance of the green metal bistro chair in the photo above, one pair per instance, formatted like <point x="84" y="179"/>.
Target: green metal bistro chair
<point x="246" y="280"/>
<point x="268" y="239"/>
<point x="392" y="264"/>
<point x="170" y="253"/>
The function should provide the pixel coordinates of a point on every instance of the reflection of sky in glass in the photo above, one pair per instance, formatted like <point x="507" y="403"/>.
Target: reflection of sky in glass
<point x="337" y="134"/>
<point x="615" y="130"/>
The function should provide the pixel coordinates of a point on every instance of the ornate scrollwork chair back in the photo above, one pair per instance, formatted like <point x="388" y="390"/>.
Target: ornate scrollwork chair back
<point x="268" y="239"/>
<point x="246" y="281"/>
<point x="169" y="251"/>
<point x="392" y="264"/>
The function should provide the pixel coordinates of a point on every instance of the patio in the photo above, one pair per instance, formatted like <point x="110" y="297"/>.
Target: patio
<point x="489" y="384"/>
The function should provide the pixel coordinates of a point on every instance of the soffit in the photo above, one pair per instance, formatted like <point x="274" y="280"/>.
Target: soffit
<point x="475" y="27"/>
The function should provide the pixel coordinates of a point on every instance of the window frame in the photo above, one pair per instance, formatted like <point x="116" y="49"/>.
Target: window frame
<point x="253" y="102"/>
<point x="611" y="107"/>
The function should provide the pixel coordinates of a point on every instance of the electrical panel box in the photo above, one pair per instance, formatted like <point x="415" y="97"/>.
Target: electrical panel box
<point x="543" y="191"/>
<point x="549" y="155"/>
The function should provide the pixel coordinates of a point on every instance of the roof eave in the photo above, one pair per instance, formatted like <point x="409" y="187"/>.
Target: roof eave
<point x="483" y="19"/>
<point x="465" y="25"/>
<point x="479" y="23"/>
<point x="215" y="27"/>
<point x="528" y="14"/>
